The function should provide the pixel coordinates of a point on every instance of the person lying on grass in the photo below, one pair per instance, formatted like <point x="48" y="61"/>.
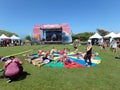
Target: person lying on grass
<point x="45" y="59"/>
<point x="63" y="53"/>
<point x="53" y="50"/>
<point x="67" y="60"/>
<point x="31" y="57"/>
<point x="80" y="55"/>
<point x="3" y="58"/>
<point x="64" y="56"/>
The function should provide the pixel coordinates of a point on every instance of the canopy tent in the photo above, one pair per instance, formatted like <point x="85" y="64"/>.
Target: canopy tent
<point x="95" y="39"/>
<point x="15" y="40"/>
<point x="3" y="36"/>
<point x="13" y="37"/>
<point x="96" y="35"/>
<point x="112" y="35"/>
<point x="118" y="34"/>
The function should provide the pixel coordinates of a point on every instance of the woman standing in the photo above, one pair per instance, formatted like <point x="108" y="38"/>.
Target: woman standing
<point x="88" y="55"/>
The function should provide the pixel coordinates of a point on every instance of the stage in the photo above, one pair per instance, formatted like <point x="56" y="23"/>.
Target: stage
<point x="52" y="33"/>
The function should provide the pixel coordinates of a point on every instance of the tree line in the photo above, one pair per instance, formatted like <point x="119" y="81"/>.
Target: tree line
<point x="7" y="33"/>
<point x="84" y="36"/>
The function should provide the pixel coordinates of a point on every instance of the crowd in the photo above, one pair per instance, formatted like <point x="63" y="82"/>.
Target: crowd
<point x="44" y="57"/>
<point x="13" y="66"/>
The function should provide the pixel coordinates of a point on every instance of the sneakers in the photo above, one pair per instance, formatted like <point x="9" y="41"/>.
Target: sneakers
<point x="86" y="64"/>
<point x="8" y="80"/>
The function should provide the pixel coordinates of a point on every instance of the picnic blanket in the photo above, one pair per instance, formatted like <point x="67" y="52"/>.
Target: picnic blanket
<point x="76" y="63"/>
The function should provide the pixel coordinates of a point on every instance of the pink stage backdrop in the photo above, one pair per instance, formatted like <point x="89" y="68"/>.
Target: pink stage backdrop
<point x="36" y="29"/>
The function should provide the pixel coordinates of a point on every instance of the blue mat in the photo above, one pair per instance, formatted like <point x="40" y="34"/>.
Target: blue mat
<point x="52" y="64"/>
<point x="82" y="62"/>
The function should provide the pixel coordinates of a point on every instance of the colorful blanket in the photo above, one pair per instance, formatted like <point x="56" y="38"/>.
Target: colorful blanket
<point x="76" y="63"/>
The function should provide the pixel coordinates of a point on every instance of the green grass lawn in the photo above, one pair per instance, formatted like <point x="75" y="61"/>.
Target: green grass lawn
<point x="105" y="76"/>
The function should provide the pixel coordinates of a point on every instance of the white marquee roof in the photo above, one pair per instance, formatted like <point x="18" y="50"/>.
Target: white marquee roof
<point x="3" y="36"/>
<point x="14" y="37"/>
<point x="112" y="35"/>
<point x="96" y="35"/>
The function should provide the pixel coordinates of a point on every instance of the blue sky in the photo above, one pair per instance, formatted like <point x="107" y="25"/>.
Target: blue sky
<point x="20" y="16"/>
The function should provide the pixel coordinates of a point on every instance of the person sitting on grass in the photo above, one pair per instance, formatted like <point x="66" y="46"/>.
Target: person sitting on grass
<point x="12" y="69"/>
<point x="61" y="59"/>
<point x="80" y="55"/>
<point x="62" y="53"/>
<point x="53" y="51"/>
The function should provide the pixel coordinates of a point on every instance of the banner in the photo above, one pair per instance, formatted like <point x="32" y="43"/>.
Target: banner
<point x="36" y="33"/>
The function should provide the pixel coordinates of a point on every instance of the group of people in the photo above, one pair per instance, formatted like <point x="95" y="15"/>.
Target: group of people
<point x="113" y="44"/>
<point x="13" y="66"/>
<point x="87" y="55"/>
<point x="44" y="57"/>
<point x="64" y="56"/>
<point x="40" y="58"/>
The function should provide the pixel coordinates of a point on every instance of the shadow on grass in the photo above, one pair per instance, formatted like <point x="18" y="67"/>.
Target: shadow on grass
<point x="22" y="76"/>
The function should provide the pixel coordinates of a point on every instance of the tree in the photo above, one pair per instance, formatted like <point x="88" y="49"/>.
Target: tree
<point x="102" y="32"/>
<point x="82" y="36"/>
<point x="9" y="34"/>
<point x="28" y="37"/>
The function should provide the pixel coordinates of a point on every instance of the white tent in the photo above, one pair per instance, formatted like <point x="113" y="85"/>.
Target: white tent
<point x="118" y="34"/>
<point x="13" y="37"/>
<point x="112" y="35"/>
<point x="96" y="35"/>
<point x="15" y="40"/>
<point x="3" y="36"/>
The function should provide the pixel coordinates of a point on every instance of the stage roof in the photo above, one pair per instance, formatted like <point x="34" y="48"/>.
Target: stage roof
<point x="51" y="29"/>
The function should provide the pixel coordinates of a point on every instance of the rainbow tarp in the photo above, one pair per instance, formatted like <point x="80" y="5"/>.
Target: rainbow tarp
<point x="77" y="63"/>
